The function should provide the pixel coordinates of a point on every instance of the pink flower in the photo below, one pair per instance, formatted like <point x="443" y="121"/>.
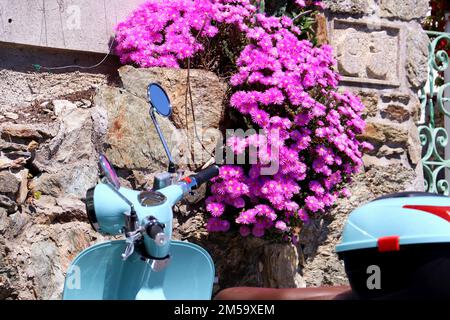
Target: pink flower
<point x="346" y="193"/>
<point x="260" y="117"/>
<point x="217" y="225"/>
<point x="316" y="187"/>
<point x="302" y="119"/>
<point x="281" y="225"/>
<point x="303" y="215"/>
<point x="313" y="204"/>
<point x="247" y="217"/>
<point x="280" y="83"/>
<point x="216" y="209"/>
<point x="291" y="206"/>
<point x="238" y="145"/>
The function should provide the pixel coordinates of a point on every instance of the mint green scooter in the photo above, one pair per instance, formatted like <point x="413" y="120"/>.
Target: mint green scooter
<point x="147" y="264"/>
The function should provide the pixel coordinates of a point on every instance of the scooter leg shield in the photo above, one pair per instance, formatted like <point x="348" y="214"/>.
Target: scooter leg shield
<point x="99" y="273"/>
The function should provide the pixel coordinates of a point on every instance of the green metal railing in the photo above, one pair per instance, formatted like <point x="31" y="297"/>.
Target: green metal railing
<point x="433" y="132"/>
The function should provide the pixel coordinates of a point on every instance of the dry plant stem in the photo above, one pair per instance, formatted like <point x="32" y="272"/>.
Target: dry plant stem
<point x="189" y="91"/>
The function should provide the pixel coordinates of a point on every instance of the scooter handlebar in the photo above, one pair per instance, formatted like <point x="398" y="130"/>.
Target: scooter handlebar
<point x="205" y="175"/>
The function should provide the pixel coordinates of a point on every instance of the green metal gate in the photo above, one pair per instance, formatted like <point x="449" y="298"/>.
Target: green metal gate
<point x="432" y="129"/>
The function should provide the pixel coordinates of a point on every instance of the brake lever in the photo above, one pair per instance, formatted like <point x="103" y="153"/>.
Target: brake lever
<point x="131" y="239"/>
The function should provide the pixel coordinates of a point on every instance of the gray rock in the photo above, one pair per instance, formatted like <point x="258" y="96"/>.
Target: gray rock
<point x="17" y="223"/>
<point x="73" y="209"/>
<point x="75" y="181"/>
<point x="69" y="161"/>
<point x="280" y="267"/>
<point x="22" y="177"/>
<point x="9" y="184"/>
<point x="404" y="9"/>
<point x="11" y="115"/>
<point x="355" y="7"/>
<point x="62" y="106"/>
<point x="46" y="278"/>
<point x="414" y="146"/>
<point x="86" y="103"/>
<point x="45" y="104"/>
<point x="27" y="131"/>
<point x="417" y="57"/>
<point x="370" y="99"/>
<point x="208" y="92"/>
<point x="386" y="151"/>
<point x="8" y="204"/>
<point x="132" y="140"/>
<point x="4" y="223"/>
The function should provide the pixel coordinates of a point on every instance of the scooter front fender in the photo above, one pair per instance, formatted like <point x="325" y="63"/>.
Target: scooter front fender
<point x="99" y="273"/>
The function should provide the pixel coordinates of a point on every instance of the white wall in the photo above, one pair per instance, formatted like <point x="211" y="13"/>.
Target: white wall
<point x="86" y="25"/>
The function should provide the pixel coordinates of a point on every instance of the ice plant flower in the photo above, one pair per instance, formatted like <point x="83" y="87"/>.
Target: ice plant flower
<point x="282" y="85"/>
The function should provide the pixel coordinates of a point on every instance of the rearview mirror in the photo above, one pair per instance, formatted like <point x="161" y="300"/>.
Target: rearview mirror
<point x="160" y="103"/>
<point x="159" y="100"/>
<point x="108" y="171"/>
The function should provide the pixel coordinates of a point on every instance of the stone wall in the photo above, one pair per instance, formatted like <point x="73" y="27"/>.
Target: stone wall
<point x="53" y="125"/>
<point x="50" y="138"/>
<point x="382" y="56"/>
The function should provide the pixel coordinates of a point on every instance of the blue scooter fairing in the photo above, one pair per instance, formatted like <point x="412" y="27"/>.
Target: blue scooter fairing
<point x="99" y="273"/>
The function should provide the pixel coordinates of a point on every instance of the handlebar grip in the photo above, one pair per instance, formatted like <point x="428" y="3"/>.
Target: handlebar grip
<point x="206" y="175"/>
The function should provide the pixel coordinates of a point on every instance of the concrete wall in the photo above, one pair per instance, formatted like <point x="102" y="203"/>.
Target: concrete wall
<point x="84" y="25"/>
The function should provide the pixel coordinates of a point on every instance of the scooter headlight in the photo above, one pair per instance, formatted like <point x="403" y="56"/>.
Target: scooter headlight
<point x="90" y="209"/>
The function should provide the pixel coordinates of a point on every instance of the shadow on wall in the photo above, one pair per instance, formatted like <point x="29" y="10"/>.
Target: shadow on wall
<point x="23" y="58"/>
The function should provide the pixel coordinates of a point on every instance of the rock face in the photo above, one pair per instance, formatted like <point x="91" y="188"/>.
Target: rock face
<point x="369" y="37"/>
<point x="417" y="60"/>
<point x="208" y="94"/>
<point x="48" y="164"/>
<point x="19" y="89"/>
<point x="132" y="140"/>
<point x="47" y="167"/>
<point x="69" y="161"/>
<point x="320" y="237"/>
<point x="404" y="9"/>
<point x="353" y="7"/>
<point x="50" y="140"/>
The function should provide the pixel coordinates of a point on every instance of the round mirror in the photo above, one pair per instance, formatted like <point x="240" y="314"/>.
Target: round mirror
<point x="108" y="171"/>
<point x="159" y="100"/>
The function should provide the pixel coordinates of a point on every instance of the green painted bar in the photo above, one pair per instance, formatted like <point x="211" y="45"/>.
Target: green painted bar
<point x="434" y="138"/>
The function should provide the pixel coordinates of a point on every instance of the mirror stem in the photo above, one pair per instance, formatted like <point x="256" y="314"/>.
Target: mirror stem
<point x="121" y="196"/>
<point x="172" y="166"/>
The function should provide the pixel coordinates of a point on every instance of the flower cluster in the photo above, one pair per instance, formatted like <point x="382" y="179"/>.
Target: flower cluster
<point x="305" y="3"/>
<point x="286" y="87"/>
<point x="162" y="33"/>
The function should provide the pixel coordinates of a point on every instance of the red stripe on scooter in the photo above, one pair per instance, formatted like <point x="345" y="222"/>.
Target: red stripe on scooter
<point x="441" y="212"/>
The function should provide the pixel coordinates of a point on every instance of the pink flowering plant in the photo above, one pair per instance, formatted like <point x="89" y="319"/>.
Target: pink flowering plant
<point x="283" y="86"/>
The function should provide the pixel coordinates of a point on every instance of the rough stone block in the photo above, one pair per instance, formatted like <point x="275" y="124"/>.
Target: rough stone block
<point x="382" y="133"/>
<point x="417" y="57"/>
<point x="354" y="7"/>
<point x="367" y="55"/>
<point x="370" y="100"/>
<point x="404" y="9"/>
<point x="396" y="112"/>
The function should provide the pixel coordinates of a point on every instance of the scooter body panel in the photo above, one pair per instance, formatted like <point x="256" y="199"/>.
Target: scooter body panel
<point x="395" y="217"/>
<point x="99" y="273"/>
<point x="111" y="208"/>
